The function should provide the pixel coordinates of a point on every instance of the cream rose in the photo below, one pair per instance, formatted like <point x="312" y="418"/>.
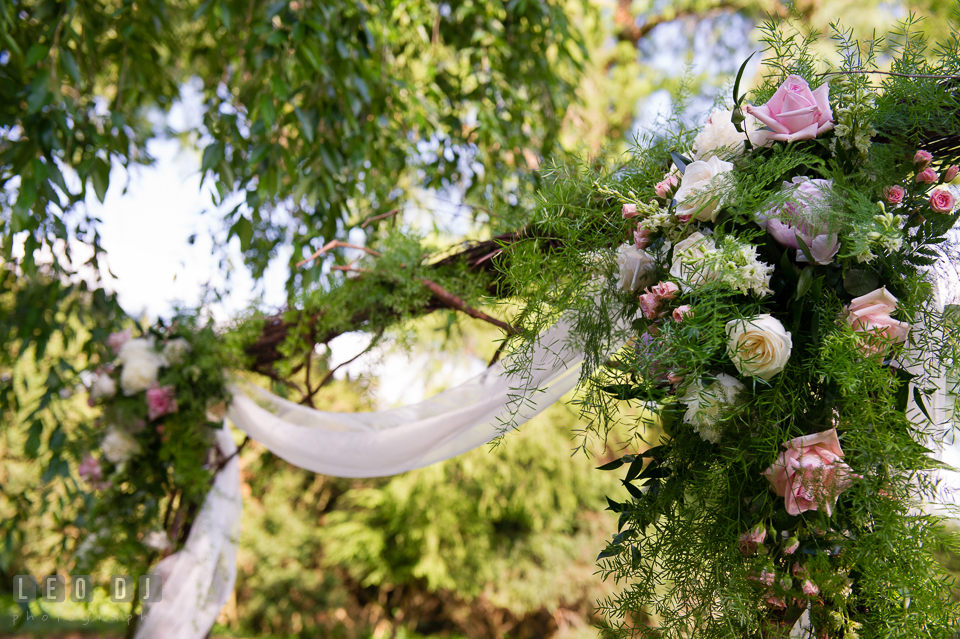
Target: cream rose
<point x="760" y="346"/>
<point x="695" y="197"/>
<point x="690" y="258"/>
<point x="118" y="446"/>
<point x="175" y="351"/>
<point x="637" y="268"/>
<point x="719" y="133"/>
<point x="103" y="386"/>
<point x="704" y="404"/>
<point x="141" y="363"/>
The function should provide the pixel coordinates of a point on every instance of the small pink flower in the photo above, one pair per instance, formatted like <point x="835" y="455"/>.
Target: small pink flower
<point x="750" y="540"/>
<point x="942" y="201"/>
<point x="927" y="176"/>
<point x="161" y="400"/>
<point x="798" y="570"/>
<point x="767" y="578"/>
<point x="795" y="112"/>
<point x="116" y="340"/>
<point x="674" y="378"/>
<point x="776" y="602"/>
<point x="629" y="210"/>
<point x="922" y="159"/>
<point x="650" y="306"/>
<point x="791" y="546"/>
<point x="641" y="238"/>
<point x="951" y="173"/>
<point x="893" y="194"/>
<point x="665" y="290"/>
<point x="810" y="589"/>
<point x="667" y="186"/>
<point x="684" y="218"/>
<point x="811" y="474"/>
<point x="90" y="470"/>
<point x="682" y="311"/>
<point x="870" y="314"/>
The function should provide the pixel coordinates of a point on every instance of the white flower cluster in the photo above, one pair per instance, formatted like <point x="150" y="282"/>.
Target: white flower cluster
<point x="662" y="220"/>
<point x="118" y="445"/>
<point x="697" y="260"/>
<point x="853" y="115"/>
<point x="704" y="404"/>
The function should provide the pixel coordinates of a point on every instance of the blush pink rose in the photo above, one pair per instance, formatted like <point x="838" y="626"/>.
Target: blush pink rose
<point x="161" y="400"/>
<point x="927" y="176"/>
<point x="751" y="540"/>
<point x="942" y="201"/>
<point x="650" y="306"/>
<point x="810" y="589"/>
<point x="922" y="159"/>
<point x="795" y="112"/>
<point x="951" y="173"/>
<point x="810" y="474"/>
<point x="870" y="314"/>
<point x="791" y="546"/>
<point x="641" y="238"/>
<point x="776" y="602"/>
<point x="893" y="194"/>
<point x="682" y="311"/>
<point x="629" y="210"/>
<point x="667" y="186"/>
<point x="665" y="290"/>
<point x="90" y="470"/>
<point x="802" y="216"/>
<point x="116" y="340"/>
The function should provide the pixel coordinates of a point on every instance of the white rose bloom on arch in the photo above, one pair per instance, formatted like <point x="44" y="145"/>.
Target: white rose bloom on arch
<point x="759" y="346"/>
<point x="719" y="133"/>
<point x="637" y="268"/>
<point x="697" y="197"/>
<point x="141" y="364"/>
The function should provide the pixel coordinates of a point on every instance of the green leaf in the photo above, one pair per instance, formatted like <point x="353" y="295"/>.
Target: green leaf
<point x="69" y="64"/>
<point x="615" y="464"/>
<point x="306" y="124"/>
<point x="211" y="156"/>
<point x="634" y="469"/>
<point x="918" y="399"/>
<point x="100" y="174"/>
<point x="680" y="161"/>
<point x="806" y="249"/>
<point x="36" y="53"/>
<point x="32" y="447"/>
<point x="736" y="87"/>
<point x="803" y="285"/>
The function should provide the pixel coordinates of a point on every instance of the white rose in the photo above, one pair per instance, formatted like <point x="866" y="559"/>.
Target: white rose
<point x="690" y="260"/>
<point x="103" y="386"/>
<point x="759" y="346"/>
<point x="175" y="351"/>
<point x="118" y="446"/>
<point x="695" y="198"/>
<point x="636" y="268"/>
<point x="157" y="540"/>
<point x="704" y="404"/>
<point x="720" y="133"/>
<point x="141" y="363"/>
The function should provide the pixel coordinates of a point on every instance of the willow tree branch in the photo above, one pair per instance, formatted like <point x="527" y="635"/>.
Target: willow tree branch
<point x="326" y="379"/>
<point x="453" y="301"/>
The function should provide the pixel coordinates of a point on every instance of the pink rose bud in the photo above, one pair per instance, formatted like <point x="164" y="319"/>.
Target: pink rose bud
<point x="160" y="428"/>
<point x="750" y="540"/>
<point x="641" y="238"/>
<point x="922" y="159"/>
<point x="684" y="218"/>
<point x="927" y="176"/>
<point x="666" y="187"/>
<point x="650" y="306"/>
<point x="798" y="570"/>
<point x="791" y="546"/>
<point x="629" y="210"/>
<point x="893" y="194"/>
<point x="942" y="201"/>
<point x="675" y="378"/>
<point x="810" y="589"/>
<point x="682" y="311"/>
<point x="161" y="400"/>
<point x="951" y="173"/>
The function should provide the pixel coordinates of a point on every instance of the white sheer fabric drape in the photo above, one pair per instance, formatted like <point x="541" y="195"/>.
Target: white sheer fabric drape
<point x="199" y="578"/>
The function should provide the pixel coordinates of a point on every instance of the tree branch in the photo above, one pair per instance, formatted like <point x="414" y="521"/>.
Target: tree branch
<point x="455" y="302"/>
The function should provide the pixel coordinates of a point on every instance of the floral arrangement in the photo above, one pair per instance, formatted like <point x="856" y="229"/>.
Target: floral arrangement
<point x="149" y="458"/>
<point x="787" y="347"/>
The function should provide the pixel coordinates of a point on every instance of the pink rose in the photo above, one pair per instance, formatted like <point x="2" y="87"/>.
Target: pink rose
<point x="776" y="602"/>
<point x="795" y="112"/>
<point x="798" y="570"/>
<point x="922" y="159"/>
<point x="674" y="378"/>
<point x="942" y="201"/>
<point x="791" y="546"/>
<point x="810" y="589"/>
<point x="666" y="187"/>
<point x="767" y="578"/>
<point x="665" y="290"/>
<point x="161" y="400"/>
<point x="650" y="306"/>
<point x="90" y="470"/>
<point x="641" y="238"/>
<point x="750" y="540"/>
<point x="927" y="176"/>
<point x="116" y="340"/>
<point x="951" y="173"/>
<point x="810" y="475"/>
<point x="801" y="215"/>
<point x="682" y="311"/>
<point x="870" y="314"/>
<point x="629" y="210"/>
<point x="893" y="194"/>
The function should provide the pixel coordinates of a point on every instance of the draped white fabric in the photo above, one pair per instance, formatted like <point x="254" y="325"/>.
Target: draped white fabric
<point x="198" y="579"/>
